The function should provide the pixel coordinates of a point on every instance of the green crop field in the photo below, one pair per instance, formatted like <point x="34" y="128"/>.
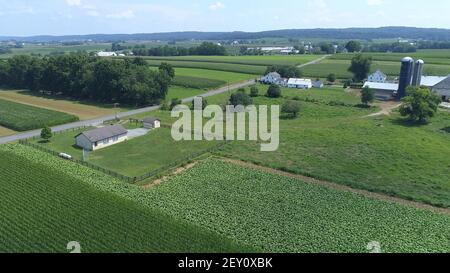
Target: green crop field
<point x="21" y="117"/>
<point x="280" y="214"/>
<point x="56" y="48"/>
<point x="339" y="67"/>
<point x="197" y="83"/>
<point x="342" y="145"/>
<point x="229" y="77"/>
<point x="48" y="202"/>
<point x="227" y="67"/>
<point x="246" y="60"/>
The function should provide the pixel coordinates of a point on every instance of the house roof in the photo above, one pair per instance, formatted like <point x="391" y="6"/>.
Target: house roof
<point x="444" y="84"/>
<point x="382" y="86"/>
<point x="431" y="81"/>
<point x="379" y="73"/>
<point x="104" y="133"/>
<point x="274" y="74"/>
<point x="296" y="81"/>
<point x="151" y="119"/>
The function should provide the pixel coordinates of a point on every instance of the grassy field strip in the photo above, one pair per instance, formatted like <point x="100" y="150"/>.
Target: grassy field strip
<point x="81" y="110"/>
<point x="328" y="184"/>
<point x="246" y="60"/>
<point x="227" y="67"/>
<point x="6" y="132"/>
<point x="22" y="117"/>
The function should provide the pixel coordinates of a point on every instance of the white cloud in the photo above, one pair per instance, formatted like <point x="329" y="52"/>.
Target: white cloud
<point x="73" y="3"/>
<point x="127" y="14"/>
<point x="216" y="6"/>
<point x="374" y="2"/>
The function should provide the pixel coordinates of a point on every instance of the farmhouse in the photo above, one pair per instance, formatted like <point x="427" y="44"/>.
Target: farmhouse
<point x="102" y="137"/>
<point x="317" y="84"/>
<point x="443" y="89"/>
<point x="271" y="78"/>
<point x="299" y="83"/>
<point x="152" y="123"/>
<point x="378" y="76"/>
<point x="106" y="54"/>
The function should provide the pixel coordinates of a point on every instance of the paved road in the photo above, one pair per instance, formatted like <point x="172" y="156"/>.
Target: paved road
<point x="316" y="61"/>
<point x="100" y="120"/>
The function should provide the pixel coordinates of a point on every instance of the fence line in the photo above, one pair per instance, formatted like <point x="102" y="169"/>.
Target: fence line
<point x="127" y="179"/>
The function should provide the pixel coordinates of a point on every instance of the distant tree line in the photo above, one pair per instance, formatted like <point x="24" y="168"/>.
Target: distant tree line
<point x="391" y="47"/>
<point x="81" y="76"/>
<point x="205" y="49"/>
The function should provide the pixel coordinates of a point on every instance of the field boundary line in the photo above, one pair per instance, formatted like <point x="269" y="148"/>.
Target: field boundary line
<point x="316" y="61"/>
<point x="328" y="184"/>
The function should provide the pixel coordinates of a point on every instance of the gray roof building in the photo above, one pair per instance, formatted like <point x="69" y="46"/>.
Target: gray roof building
<point x="104" y="133"/>
<point x="151" y="119"/>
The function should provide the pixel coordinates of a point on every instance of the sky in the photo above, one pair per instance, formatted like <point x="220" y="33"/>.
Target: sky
<point x="68" y="17"/>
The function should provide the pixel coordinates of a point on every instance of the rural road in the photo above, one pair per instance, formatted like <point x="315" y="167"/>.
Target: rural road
<point x="100" y="120"/>
<point x="316" y="61"/>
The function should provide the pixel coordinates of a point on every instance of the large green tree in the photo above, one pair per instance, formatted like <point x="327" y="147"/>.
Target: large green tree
<point x="420" y="104"/>
<point x="367" y="95"/>
<point x="360" y="67"/>
<point x="353" y="46"/>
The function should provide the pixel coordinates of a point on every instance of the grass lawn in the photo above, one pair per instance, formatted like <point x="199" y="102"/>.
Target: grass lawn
<point x="180" y="92"/>
<point x="280" y="214"/>
<point x="82" y="110"/>
<point x="144" y="154"/>
<point x="22" y="117"/>
<point x="48" y="202"/>
<point x="135" y="157"/>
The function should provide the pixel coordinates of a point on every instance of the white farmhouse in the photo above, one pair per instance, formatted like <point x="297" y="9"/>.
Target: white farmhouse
<point x="271" y="78"/>
<point x="378" y="76"/>
<point x="152" y="123"/>
<point x="299" y="83"/>
<point x="102" y="137"/>
<point x="106" y="54"/>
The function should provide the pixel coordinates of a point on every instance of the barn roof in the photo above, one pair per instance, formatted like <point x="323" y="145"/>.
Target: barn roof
<point x="104" y="133"/>
<point x="444" y="84"/>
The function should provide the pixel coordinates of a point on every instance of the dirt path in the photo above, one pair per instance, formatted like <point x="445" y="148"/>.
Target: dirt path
<point x="386" y="108"/>
<point x="314" y="61"/>
<point x="165" y="178"/>
<point x="341" y="187"/>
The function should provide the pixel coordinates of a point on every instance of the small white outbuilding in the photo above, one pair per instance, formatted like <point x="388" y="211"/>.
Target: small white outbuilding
<point x="152" y="123"/>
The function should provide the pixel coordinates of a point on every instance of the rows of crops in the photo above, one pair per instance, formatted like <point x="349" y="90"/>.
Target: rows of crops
<point x="246" y="60"/>
<point x="238" y="68"/>
<point x="47" y="202"/>
<point x="21" y="117"/>
<point x="197" y="83"/>
<point x="280" y="214"/>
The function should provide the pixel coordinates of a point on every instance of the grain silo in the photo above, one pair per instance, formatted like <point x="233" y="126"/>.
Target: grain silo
<point x="417" y="75"/>
<point x="406" y="73"/>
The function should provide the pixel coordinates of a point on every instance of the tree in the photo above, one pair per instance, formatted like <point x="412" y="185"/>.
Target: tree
<point x="46" y="133"/>
<point x="420" y="104"/>
<point x="291" y="108"/>
<point x="254" y="91"/>
<point x="360" y="67"/>
<point x="240" y="98"/>
<point x="367" y="95"/>
<point x="353" y="46"/>
<point x="175" y="102"/>
<point x="139" y="61"/>
<point x="274" y="91"/>
<point x="167" y="68"/>
<point x="331" y="77"/>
